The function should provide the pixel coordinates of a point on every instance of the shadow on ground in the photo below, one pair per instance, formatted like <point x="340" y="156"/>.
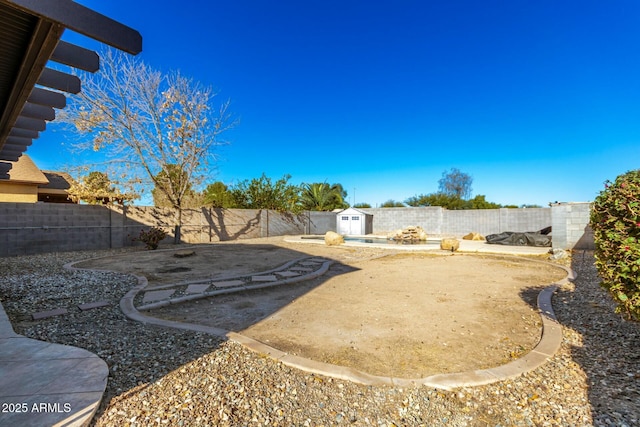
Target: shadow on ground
<point x="609" y="351"/>
<point x="139" y="354"/>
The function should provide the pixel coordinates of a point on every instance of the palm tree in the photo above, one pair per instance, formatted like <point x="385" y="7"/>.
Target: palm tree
<point x="322" y="196"/>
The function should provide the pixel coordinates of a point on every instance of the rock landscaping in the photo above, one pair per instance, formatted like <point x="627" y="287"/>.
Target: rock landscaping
<point x="163" y="376"/>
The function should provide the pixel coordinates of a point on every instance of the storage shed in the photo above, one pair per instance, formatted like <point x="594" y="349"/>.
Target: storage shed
<point x="354" y="222"/>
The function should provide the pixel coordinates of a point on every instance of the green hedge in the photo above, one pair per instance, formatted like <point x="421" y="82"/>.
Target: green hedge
<point x="615" y="219"/>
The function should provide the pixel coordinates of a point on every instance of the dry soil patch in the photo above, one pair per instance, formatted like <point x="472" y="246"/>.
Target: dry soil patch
<point x="403" y="314"/>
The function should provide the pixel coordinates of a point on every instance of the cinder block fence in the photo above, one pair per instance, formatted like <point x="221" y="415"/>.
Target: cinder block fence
<point x="27" y="228"/>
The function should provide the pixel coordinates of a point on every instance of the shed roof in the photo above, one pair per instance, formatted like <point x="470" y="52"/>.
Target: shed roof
<point x="352" y="211"/>
<point x="30" y="32"/>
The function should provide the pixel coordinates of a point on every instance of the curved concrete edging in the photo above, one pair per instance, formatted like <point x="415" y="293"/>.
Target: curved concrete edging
<point x="548" y="345"/>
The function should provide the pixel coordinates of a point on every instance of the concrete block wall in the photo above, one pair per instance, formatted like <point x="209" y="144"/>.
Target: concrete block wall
<point x="386" y="220"/>
<point x="280" y="224"/>
<point x="523" y="220"/>
<point x="29" y="228"/>
<point x="570" y="222"/>
<point x="461" y="222"/>
<point x="320" y="222"/>
<point x="440" y="221"/>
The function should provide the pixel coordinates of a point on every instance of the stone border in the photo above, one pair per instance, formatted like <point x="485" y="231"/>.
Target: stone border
<point x="547" y="346"/>
<point x="240" y="287"/>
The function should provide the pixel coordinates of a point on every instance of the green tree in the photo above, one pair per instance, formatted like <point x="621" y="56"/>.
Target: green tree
<point x="218" y="195"/>
<point x="362" y="205"/>
<point x="96" y="188"/>
<point x="392" y="204"/>
<point x="173" y="190"/>
<point x="321" y="196"/>
<point x="480" y="202"/>
<point x="448" y="201"/>
<point x="455" y="183"/>
<point x="143" y="121"/>
<point x="339" y="197"/>
<point x="261" y="193"/>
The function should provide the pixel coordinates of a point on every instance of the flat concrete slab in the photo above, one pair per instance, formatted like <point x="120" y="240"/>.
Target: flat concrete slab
<point x="196" y="289"/>
<point x="45" y="384"/>
<point x="152" y="296"/>
<point x="92" y="305"/>
<point x="228" y="284"/>
<point x="266" y="278"/>
<point x="287" y="273"/>
<point x="49" y="313"/>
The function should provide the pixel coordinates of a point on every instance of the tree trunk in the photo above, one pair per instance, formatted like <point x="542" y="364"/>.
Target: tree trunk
<point x="177" y="238"/>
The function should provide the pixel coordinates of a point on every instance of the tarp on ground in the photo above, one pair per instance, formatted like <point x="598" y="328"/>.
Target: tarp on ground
<point x="519" y="239"/>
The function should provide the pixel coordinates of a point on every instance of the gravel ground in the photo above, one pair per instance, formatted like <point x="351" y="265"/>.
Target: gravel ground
<point x="168" y="377"/>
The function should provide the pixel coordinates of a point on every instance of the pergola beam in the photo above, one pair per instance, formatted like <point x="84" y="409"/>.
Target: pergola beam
<point x="36" y="111"/>
<point x="43" y="42"/>
<point x="47" y="97"/>
<point x="85" y="21"/>
<point x="10" y="155"/>
<point x="24" y="133"/>
<point x="18" y="141"/>
<point x="30" y="124"/>
<point x="76" y="56"/>
<point x="58" y="80"/>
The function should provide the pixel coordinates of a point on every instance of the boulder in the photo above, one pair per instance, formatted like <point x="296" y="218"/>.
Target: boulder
<point x="474" y="236"/>
<point x="558" y="253"/>
<point x="449" y="244"/>
<point x="394" y="235"/>
<point x="332" y="238"/>
<point x="412" y="233"/>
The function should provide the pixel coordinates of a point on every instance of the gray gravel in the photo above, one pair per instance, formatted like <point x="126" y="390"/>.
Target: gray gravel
<point x="169" y="377"/>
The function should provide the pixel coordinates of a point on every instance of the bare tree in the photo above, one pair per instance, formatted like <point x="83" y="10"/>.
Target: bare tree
<point x="456" y="183"/>
<point x="146" y="122"/>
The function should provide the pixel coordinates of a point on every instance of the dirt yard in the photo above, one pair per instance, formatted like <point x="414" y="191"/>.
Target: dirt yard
<point x="384" y="312"/>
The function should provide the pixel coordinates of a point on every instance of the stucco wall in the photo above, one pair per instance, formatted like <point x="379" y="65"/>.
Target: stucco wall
<point x="18" y="193"/>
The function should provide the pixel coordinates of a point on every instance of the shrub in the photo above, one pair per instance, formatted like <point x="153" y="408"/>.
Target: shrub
<point x="615" y="219"/>
<point x="152" y="237"/>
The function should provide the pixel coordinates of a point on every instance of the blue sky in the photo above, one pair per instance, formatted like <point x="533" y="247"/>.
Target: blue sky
<point x="538" y="101"/>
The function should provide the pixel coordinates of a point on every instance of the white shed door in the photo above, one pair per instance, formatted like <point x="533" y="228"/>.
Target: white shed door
<point x="355" y="225"/>
<point x="344" y="225"/>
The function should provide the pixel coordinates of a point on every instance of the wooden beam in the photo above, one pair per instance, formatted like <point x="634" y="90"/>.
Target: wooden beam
<point x="5" y="167"/>
<point x="76" y="56"/>
<point x="30" y="124"/>
<point x="47" y="97"/>
<point x="42" y="44"/>
<point x="17" y="141"/>
<point x="24" y="133"/>
<point x="85" y="21"/>
<point x="10" y="156"/>
<point x="36" y="111"/>
<point x="58" y="80"/>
